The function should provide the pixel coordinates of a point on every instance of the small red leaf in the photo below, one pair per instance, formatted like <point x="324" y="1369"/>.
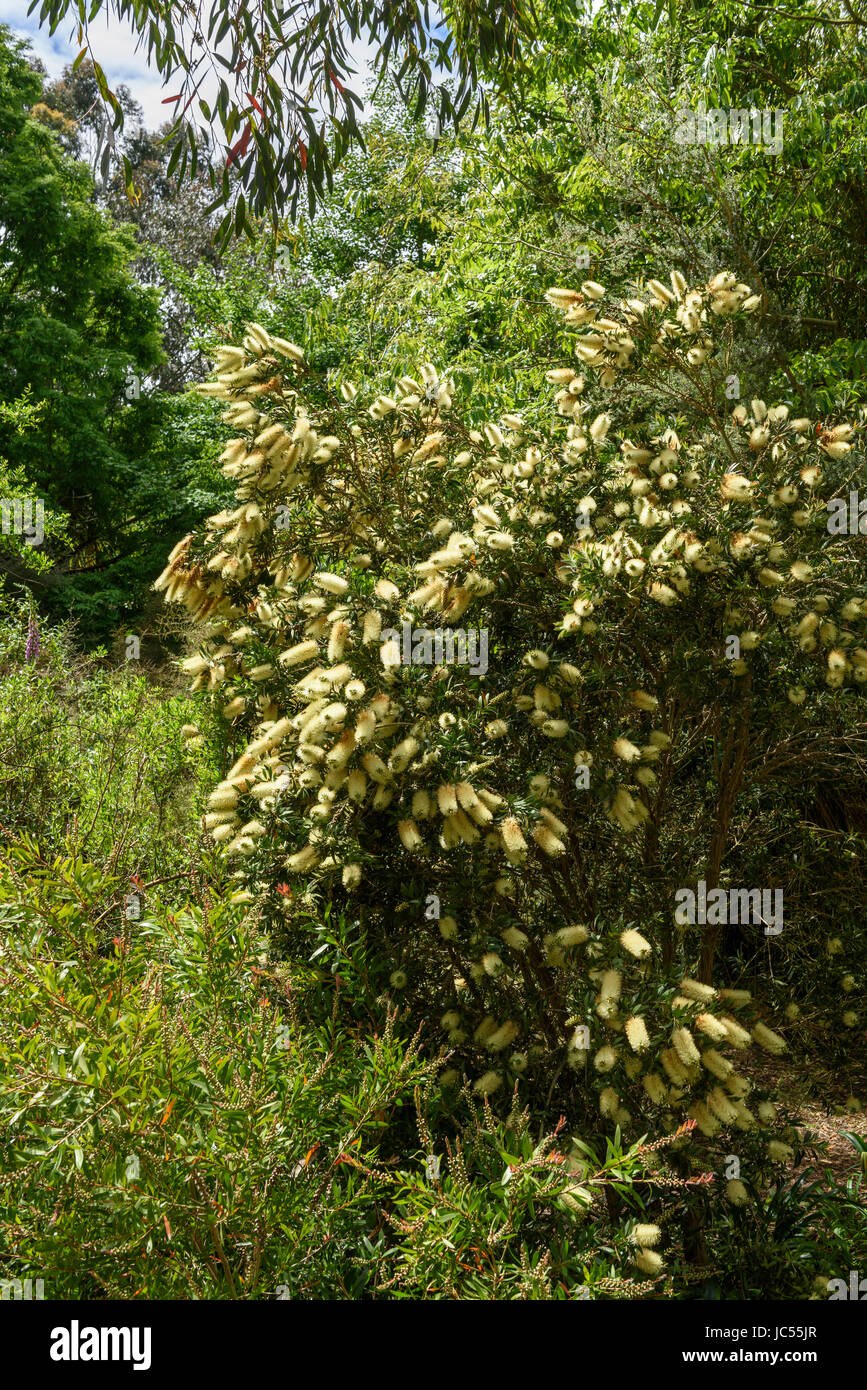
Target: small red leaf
<point x="240" y="146"/>
<point x="302" y="151"/>
<point x="167" y="100"/>
<point x="168" y="1227"/>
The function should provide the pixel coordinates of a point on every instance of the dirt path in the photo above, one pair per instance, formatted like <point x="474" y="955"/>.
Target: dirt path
<point x="799" y="1086"/>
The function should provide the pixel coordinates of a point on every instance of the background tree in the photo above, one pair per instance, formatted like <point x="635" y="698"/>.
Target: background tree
<point x="283" y="76"/>
<point x="80" y="332"/>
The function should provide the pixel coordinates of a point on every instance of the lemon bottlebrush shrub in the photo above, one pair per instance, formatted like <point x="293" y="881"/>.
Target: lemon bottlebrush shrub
<point x="608" y="567"/>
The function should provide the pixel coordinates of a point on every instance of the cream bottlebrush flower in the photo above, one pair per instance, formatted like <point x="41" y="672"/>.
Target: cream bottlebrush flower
<point x="606" y="1058"/>
<point x="356" y="785"/>
<point x="646" y="1233"/>
<point x="736" y="997"/>
<point x="767" y="1112"/>
<point x="421" y="805"/>
<point x="479" y="813"/>
<point x="554" y="728"/>
<point x="223" y="799"/>
<point x="351" y="876"/>
<point x="409" y="834"/>
<point x="769" y="1040"/>
<point x="376" y="768"/>
<point x="488" y="1083"/>
<point x="655" y="1088"/>
<point x="636" y="1034"/>
<point x="371" y="627"/>
<point x="610" y="984"/>
<point x="626" y="750"/>
<point x="513" y="838"/>
<point x="674" y="1068"/>
<point x="572" y="936"/>
<point x="716" y="1064"/>
<point x="464" y="827"/>
<point x="745" y="1119"/>
<point x="514" y="937"/>
<point x="648" y="1261"/>
<point x="504" y="1036"/>
<point x="548" y="841"/>
<point x="633" y="942"/>
<point x="331" y="583"/>
<point x="447" y="800"/>
<point x="694" y="989"/>
<point x="736" y="488"/>
<point x="734" y="1033"/>
<point x="643" y="700"/>
<point x="779" y="1152"/>
<point x="403" y="753"/>
<point x="305" y="858"/>
<point x="389" y="654"/>
<point x="300" y="654"/>
<point x="497" y="728"/>
<point x="736" y="1193"/>
<point x="664" y="594"/>
<point x="609" y="1102"/>
<point x="720" y="1105"/>
<point x="448" y="928"/>
<point x="706" y="1122"/>
<point x="684" y="1046"/>
<point x="711" y="1027"/>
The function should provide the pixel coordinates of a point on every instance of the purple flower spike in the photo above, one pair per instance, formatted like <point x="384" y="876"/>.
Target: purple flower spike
<point x="31" y="651"/>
